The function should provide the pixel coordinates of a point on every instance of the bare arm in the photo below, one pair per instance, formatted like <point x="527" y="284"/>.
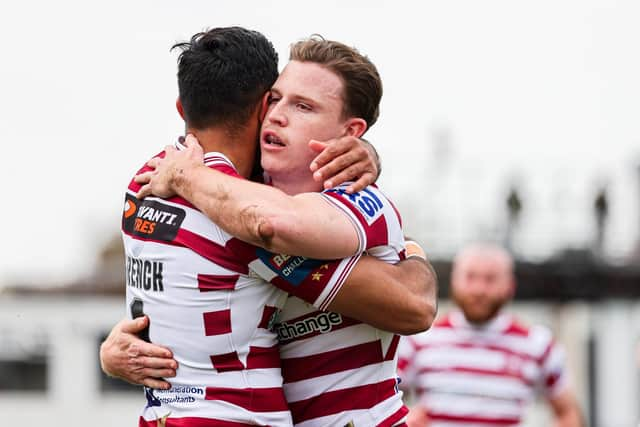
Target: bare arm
<point x="123" y="355"/>
<point x="399" y="298"/>
<point x="264" y="216"/>
<point x="566" y="410"/>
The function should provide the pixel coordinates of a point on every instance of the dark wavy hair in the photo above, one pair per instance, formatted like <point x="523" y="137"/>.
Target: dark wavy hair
<point x="222" y="75"/>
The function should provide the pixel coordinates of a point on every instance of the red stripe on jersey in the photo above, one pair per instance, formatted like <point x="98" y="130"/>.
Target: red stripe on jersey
<point x="507" y="373"/>
<point x="217" y="322"/>
<point x="213" y="282"/>
<point x="395" y="417"/>
<point x="269" y="399"/>
<point x="212" y="251"/>
<point x="516" y="329"/>
<point x="224" y="256"/>
<point x="348" y="399"/>
<point x="226" y="362"/>
<point x="242" y="251"/>
<point x="552" y="379"/>
<point x="391" y="352"/>
<point x="267" y="312"/>
<point x="402" y="363"/>
<point x="330" y="362"/>
<point x="546" y="352"/>
<point x="464" y="345"/>
<point x="377" y="235"/>
<point x="502" y="421"/>
<point x="192" y="422"/>
<point x="263" y="357"/>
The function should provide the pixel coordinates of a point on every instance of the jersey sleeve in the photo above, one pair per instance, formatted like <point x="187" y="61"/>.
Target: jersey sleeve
<point x="553" y="370"/>
<point x="314" y="281"/>
<point x="370" y="212"/>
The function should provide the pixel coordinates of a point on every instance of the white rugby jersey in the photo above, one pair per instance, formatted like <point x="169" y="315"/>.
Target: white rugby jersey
<point x="192" y="280"/>
<point x="465" y="374"/>
<point x="338" y="370"/>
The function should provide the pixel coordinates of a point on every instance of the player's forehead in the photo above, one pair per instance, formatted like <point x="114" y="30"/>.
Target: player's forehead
<point x="484" y="259"/>
<point x="309" y="80"/>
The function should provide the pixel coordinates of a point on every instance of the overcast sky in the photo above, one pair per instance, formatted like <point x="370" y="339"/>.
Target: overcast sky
<point x="545" y="94"/>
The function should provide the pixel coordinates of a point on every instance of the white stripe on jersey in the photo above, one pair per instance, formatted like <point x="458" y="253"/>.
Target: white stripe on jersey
<point x="464" y="383"/>
<point x="465" y="405"/>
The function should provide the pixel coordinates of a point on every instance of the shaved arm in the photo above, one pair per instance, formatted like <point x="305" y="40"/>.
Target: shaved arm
<point x="399" y="298"/>
<point x="566" y="410"/>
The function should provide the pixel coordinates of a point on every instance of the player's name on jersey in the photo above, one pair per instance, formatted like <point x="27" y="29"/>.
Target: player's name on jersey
<point x="144" y="274"/>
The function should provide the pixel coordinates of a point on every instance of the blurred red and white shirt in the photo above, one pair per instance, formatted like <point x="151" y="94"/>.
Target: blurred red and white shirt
<point x="470" y="375"/>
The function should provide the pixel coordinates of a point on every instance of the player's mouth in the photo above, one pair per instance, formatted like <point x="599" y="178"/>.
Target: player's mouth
<point x="270" y="139"/>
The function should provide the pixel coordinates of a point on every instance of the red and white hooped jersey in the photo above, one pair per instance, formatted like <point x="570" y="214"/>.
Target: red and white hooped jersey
<point x="465" y="374"/>
<point x="338" y="370"/>
<point x="192" y="280"/>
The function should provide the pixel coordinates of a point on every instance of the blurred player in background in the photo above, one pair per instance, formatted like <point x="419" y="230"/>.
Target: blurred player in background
<point x="480" y="366"/>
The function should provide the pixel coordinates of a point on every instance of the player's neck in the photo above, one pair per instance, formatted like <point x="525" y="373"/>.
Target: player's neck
<point x="240" y="147"/>
<point x="293" y="184"/>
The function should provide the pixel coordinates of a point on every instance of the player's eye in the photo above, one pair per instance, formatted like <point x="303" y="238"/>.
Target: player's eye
<point x="304" y="107"/>
<point x="272" y="99"/>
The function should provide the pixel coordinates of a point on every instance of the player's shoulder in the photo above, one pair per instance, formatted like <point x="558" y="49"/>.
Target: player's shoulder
<point x="370" y="202"/>
<point x="516" y="326"/>
<point x="444" y="321"/>
<point x="536" y="338"/>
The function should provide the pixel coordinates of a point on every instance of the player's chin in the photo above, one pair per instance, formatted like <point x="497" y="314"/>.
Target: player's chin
<point x="478" y="314"/>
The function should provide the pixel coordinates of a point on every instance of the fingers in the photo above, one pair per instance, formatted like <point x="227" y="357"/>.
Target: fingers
<point x="144" y="191"/>
<point x="318" y="147"/>
<point x="190" y="140"/>
<point x="361" y="183"/>
<point x="194" y="148"/>
<point x="144" y="177"/>
<point x="156" y="383"/>
<point x="154" y="162"/>
<point x="358" y="170"/>
<point x="330" y="150"/>
<point x="142" y="350"/>
<point x="133" y="326"/>
<point x="336" y="166"/>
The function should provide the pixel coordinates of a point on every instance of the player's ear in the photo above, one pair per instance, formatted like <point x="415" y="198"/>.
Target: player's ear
<point x="355" y="126"/>
<point x="180" y="108"/>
